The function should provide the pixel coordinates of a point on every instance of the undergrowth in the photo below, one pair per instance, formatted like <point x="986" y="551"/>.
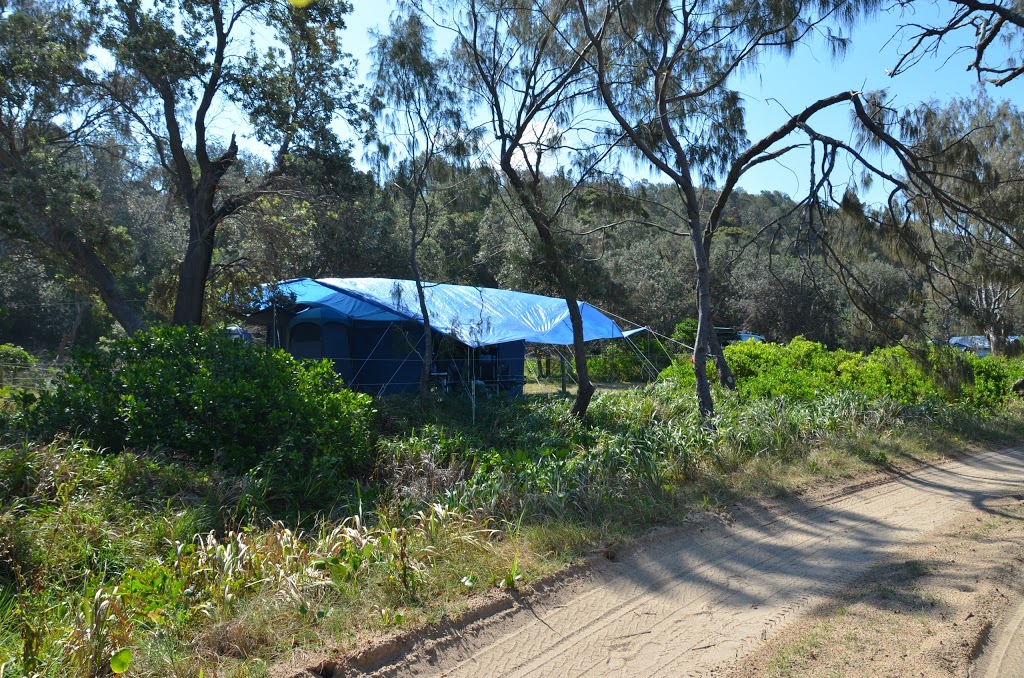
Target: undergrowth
<point x="174" y="563"/>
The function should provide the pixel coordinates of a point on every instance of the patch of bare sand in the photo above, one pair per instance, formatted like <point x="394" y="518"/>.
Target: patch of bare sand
<point x="929" y="611"/>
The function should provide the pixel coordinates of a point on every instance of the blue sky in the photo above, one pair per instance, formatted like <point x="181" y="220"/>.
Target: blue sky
<point x="790" y="84"/>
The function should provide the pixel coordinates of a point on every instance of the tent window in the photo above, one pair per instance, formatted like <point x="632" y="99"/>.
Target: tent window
<point x="306" y="341"/>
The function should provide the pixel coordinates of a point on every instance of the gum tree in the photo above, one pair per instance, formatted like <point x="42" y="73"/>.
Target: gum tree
<point x="178" y="65"/>
<point x="49" y="203"/>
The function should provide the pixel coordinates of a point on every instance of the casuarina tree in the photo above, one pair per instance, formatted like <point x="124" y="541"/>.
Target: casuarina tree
<point x="420" y="131"/>
<point x="666" y="73"/>
<point x="529" y="85"/>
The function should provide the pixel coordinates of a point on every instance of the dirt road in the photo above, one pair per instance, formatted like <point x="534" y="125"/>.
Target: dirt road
<point x="697" y="599"/>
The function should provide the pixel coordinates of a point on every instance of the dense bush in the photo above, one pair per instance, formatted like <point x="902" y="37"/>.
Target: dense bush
<point x="991" y="381"/>
<point x="802" y="370"/>
<point x="805" y="370"/>
<point x="212" y="396"/>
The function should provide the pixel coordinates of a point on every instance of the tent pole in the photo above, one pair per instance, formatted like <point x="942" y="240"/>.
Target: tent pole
<point x="472" y="376"/>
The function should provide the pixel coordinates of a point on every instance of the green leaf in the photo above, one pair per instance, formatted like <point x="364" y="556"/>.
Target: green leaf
<point x="121" y="660"/>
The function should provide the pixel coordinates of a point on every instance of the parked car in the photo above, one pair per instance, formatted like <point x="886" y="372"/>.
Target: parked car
<point x="977" y="344"/>
<point x="730" y="335"/>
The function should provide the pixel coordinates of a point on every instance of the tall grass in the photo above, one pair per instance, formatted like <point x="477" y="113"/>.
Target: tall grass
<point x="92" y="563"/>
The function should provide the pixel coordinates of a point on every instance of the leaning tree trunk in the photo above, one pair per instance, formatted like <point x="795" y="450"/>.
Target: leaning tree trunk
<point x="95" y="271"/>
<point x="584" y="387"/>
<point x="725" y="378"/>
<point x="61" y="236"/>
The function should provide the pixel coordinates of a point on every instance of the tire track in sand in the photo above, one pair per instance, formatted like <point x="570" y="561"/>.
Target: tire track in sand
<point x="690" y="601"/>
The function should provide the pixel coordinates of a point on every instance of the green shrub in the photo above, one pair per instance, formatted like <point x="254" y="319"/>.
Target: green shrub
<point x="680" y="371"/>
<point x="806" y="371"/>
<point x="891" y="373"/>
<point x="686" y="331"/>
<point x="803" y="370"/>
<point x="616" y="362"/>
<point x="992" y="381"/>
<point x="212" y="396"/>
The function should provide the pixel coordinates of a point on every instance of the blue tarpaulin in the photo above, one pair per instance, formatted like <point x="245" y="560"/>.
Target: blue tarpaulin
<point x="475" y="316"/>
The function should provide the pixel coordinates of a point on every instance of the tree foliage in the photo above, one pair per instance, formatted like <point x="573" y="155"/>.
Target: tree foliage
<point x="49" y="203"/>
<point x="959" y="231"/>
<point x="422" y="133"/>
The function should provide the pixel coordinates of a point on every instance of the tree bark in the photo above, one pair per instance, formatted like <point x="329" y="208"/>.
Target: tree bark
<point x="428" y="340"/>
<point x="68" y="340"/>
<point x="725" y="378"/>
<point x="203" y="221"/>
<point x="191" y="295"/>
<point x="705" y="328"/>
<point x="552" y="257"/>
<point x="584" y="387"/>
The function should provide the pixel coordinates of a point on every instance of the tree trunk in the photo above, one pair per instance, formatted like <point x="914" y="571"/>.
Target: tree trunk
<point x="997" y="341"/>
<point x="584" y="387"/>
<point x="69" y="338"/>
<point x="705" y="328"/>
<point x="191" y="296"/>
<point x="553" y="259"/>
<point x="428" y="339"/>
<point x="203" y="220"/>
<point x="95" y="271"/>
<point x="725" y="378"/>
<point x="61" y="238"/>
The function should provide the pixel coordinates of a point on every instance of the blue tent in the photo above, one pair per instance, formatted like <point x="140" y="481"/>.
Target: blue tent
<point x="373" y="329"/>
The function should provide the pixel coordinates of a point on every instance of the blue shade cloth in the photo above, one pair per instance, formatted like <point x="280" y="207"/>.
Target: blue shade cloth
<point x="475" y="316"/>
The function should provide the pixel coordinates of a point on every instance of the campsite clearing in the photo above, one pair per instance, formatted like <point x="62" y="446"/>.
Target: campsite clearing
<point x="813" y="585"/>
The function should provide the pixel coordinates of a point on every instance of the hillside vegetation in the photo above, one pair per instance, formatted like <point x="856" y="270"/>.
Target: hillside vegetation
<point x="177" y="552"/>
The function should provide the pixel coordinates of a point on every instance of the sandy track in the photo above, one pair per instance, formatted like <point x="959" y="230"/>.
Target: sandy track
<point x="691" y="601"/>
